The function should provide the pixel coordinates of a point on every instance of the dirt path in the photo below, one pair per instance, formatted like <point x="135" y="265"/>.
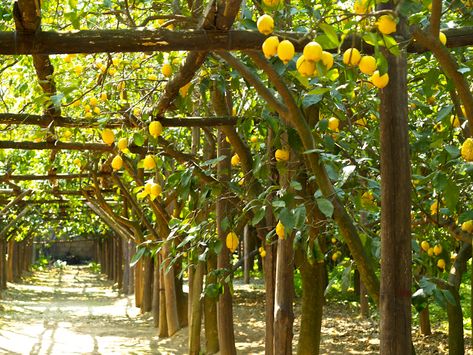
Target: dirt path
<point x="74" y="311"/>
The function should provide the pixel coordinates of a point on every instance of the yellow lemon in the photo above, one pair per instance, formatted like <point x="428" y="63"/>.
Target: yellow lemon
<point x="281" y="155"/>
<point x="155" y="189"/>
<point x="463" y="110"/>
<point x="112" y="71"/>
<point x="327" y="59"/>
<point x="313" y="51"/>
<point x="185" y="89"/>
<point x="441" y="264"/>
<point x="286" y="51"/>
<point x="166" y="70"/>
<point x="336" y="255"/>
<point x="265" y="24"/>
<point x="77" y="162"/>
<point x="87" y="108"/>
<point x="155" y="128"/>
<point x="467" y="149"/>
<point x="380" y="81"/>
<point x="467" y="226"/>
<point x="434" y="207"/>
<point x="386" y="24"/>
<point x="103" y="96"/>
<point x="333" y="124"/>
<point x="443" y="38"/>
<point x="122" y="144"/>
<point x="93" y="101"/>
<point x="67" y="134"/>
<point x="305" y="67"/>
<point x="262" y="252"/>
<point x="334" y="241"/>
<point x="149" y="162"/>
<point x="270" y="46"/>
<point x="425" y="245"/>
<point x="272" y="3"/>
<point x="148" y="186"/>
<point x="430" y="252"/>
<point x="362" y="122"/>
<point x="78" y="69"/>
<point x="97" y="110"/>
<point x="280" y="232"/>
<point x="152" y="77"/>
<point x="253" y="139"/>
<point x="437" y="249"/>
<point x="108" y="136"/>
<point x="351" y="57"/>
<point x="455" y="121"/>
<point x="117" y="163"/>
<point x="232" y="241"/>
<point x="235" y="160"/>
<point x="367" y="65"/>
<point x="88" y="115"/>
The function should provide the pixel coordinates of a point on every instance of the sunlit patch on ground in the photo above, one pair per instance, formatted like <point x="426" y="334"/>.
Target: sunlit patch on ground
<point x="74" y="311"/>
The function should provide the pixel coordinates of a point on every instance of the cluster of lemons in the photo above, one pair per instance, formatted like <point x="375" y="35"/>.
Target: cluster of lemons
<point x="155" y="129"/>
<point x="306" y="63"/>
<point x="436" y="250"/>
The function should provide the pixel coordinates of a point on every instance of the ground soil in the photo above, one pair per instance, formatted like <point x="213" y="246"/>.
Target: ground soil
<point x="76" y="311"/>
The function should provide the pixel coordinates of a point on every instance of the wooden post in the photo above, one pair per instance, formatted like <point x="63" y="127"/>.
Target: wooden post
<point x="146" y="304"/>
<point x="210" y="309"/>
<point x="246" y="251"/>
<point x="196" y="314"/>
<point x="396" y="265"/>
<point x="424" y="321"/>
<point x="156" y="286"/>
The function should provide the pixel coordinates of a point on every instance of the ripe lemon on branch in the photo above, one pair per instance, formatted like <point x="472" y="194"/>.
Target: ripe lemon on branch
<point x="386" y="24"/>
<point x="149" y="162"/>
<point x="467" y="226"/>
<point x="286" y="51"/>
<point x="265" y="24"/>
<point x="122" y="144"/>
<point x="270" y="46"/>
<point x="467" y="149"/>
<point x="305" y="67"/>
<point x="281" y="155"/>
<point x="280" y="231"/>
<point x="313" y="51"/>
<point x="378" y="80"/>
<point x="235" y="160"/>
<point x="367" y="65"/>
<point x="351" y="56"/>
<point x="108" y="136"/>
<point x="232" y="241"/>
<point x="117" y="162"/>
<point x="155" y="128"/>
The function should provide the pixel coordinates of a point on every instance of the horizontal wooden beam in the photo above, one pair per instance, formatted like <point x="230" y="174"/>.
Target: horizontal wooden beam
<point x="46" y="121"/>
<point x="48" y="177"/>
<point x="55" y="145"/>
<point x="109" y="41"/>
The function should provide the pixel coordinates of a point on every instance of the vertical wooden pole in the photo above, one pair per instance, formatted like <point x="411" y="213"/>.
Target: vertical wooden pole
<point x="163" y="327"/>
<point x="396" y="265"/>
<point x="210" y="309"/>
<point x="246" y="251"/>
<point x="196" y="314"/>
<point x="146" y="304"/>
<point x="156" y="286"/>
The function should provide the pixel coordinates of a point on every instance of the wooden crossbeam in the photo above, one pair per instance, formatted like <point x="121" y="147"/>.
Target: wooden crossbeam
<point x="109" y="41"/>
<point x="47" y="121"/>
<point x="48" y="177"/>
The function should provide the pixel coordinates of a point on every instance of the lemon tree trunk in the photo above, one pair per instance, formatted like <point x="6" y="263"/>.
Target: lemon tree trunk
<point x="396" y="264"/>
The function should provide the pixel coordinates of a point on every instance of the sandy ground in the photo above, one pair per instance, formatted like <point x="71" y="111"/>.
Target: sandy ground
<point x="74" y="311"/>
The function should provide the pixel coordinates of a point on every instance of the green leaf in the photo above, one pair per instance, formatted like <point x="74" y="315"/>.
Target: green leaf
<point x="325" y="206"/>
<point x="299" y="217"/>
<point x="135" y="258"/>
<point x="465" y="216"/>
<point x="391" y="45"/>
<point x="452" y="193"/>
<point x="331" y="33"/>
<point x="138" y="139"/>
<point x="453" y="151"/>
<point x="444" y="112"/>
<point x="287" y="218"/>
<point x="258" y="216"/>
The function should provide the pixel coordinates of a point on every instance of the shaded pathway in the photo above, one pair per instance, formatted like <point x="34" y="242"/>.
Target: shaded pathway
<point x="73" y="311"/>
